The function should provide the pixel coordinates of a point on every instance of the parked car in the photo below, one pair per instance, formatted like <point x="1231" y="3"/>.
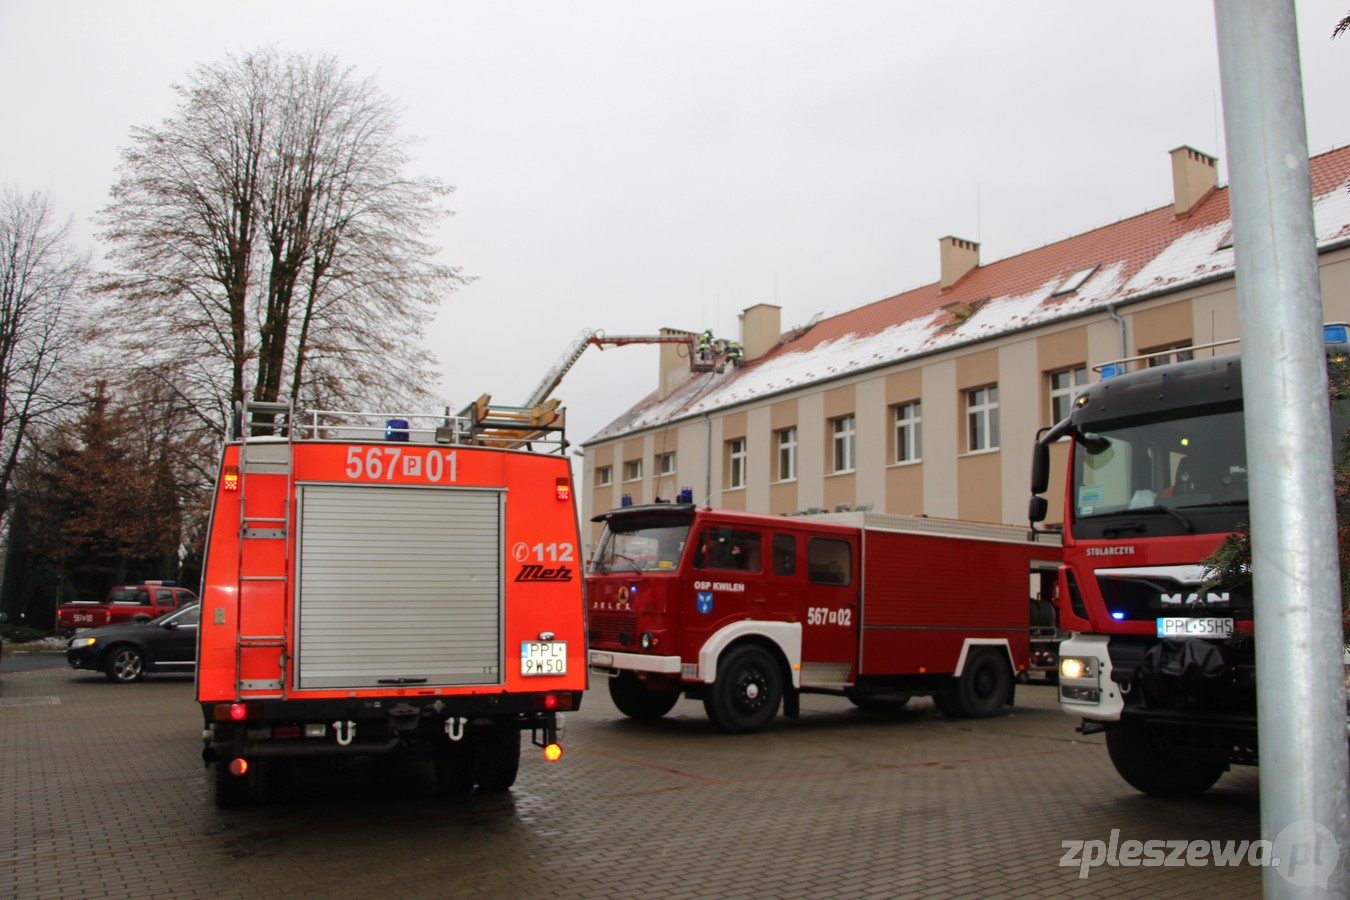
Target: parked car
<point x="124" y="603"/>
<point x="127" y="652"/>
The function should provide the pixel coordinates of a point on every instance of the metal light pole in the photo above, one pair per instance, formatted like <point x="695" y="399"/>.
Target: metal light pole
<point x="1300" y="680"/>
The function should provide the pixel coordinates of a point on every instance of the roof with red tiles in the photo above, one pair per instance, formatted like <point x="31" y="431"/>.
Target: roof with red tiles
<point x="1136" y="258"/>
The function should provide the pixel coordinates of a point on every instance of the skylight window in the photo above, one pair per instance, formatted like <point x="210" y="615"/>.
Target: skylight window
<point x="1227" y="242"/>
<point x="1075" y="281"/>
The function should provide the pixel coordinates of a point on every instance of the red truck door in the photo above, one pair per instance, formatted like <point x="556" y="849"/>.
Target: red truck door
<point x="829" y="604"/>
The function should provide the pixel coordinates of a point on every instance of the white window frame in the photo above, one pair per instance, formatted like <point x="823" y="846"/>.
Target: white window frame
<point x="604" y="476"/>
<point x="665" y="463"/>
<point x="909" y="432"/>
<point x="1182" y="351"/>
<point x="982" y="419"/>
<point x="736" y="461"/>
<point x="632" y="470"/>
<point x="787" y="453"/>
<point x="844" y="441"/>
<point x="1061" y="395"/>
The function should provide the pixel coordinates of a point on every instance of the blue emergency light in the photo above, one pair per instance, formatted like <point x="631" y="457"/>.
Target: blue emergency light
<point x="396" y="430"/>
<point x="686" y="495"/>
<point x="626" y="500"/>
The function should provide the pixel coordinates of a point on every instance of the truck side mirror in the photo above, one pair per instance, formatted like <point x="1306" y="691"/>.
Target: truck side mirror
<point x="1040" y="470"/>
<point x="1038" y="509"/>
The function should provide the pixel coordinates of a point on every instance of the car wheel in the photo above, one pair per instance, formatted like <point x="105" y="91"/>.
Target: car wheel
<point x="498" y="759"/>
<point x="747" y="693"/>
<point x="637" y="701"/>
<point x="1146" y="764"/>
<point x="124" y="664"/>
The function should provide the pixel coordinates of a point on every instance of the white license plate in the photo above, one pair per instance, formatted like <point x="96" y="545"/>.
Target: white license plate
<point x="543" y="657"/>
<point x="601" y="659"/>
<point x="1182" y="626"/>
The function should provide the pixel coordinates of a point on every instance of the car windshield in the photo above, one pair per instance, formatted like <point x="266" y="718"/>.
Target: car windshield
<point x="1173" y="464"/>
<point x="643" y="545"/>
<point x="184" y="617"/>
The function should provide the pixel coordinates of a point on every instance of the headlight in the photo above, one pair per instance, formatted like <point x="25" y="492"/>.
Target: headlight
<point x="1077" y="667"/>
<point x="77" y="642"/>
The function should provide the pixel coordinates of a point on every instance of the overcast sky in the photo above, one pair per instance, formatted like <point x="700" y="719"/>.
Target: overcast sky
<point x="628" y="166"/>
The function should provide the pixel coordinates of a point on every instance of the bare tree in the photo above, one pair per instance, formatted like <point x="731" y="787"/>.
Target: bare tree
<point x="270" y="244"/>
<point x="42" y="277"/>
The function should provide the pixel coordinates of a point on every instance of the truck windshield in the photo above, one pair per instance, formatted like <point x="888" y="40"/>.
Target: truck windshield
<point x="1166" y="466"/>
<point x="641" y="545"/>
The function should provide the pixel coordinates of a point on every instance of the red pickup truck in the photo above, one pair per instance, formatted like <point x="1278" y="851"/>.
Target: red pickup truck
<point x="125" y="603"/>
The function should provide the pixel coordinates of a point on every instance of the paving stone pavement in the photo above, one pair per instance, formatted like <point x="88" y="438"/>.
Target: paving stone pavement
<point x="103" y="795"/>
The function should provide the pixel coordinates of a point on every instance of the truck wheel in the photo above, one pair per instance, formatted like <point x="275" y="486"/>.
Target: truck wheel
<point x="230" y="790"/>
<point x="498" y="759"/>
<point x="1148" y="765"/>
<point x="636" y="701"/>
<point x="454" y="762"/>
<point x="982" y="689"/>
<point x="747" y="693"/>
<point x="124" y="664"/>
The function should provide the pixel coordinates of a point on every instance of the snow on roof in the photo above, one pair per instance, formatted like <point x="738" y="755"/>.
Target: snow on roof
<point x="1140" y="257"/>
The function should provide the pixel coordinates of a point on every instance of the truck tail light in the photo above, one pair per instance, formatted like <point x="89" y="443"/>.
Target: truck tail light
<point x="553" y="702"/>
<point x="229" y="479"/>
<point x="564" y="489"/>
<point x="236" y="712"/>
<point x="238" y="766"/>
<point x="553" y="752"/>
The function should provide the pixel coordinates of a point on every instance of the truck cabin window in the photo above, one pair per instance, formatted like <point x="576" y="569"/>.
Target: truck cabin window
<point x="640" y="546"/>
<point x="829" y="561"/>
<point x="727" y="548"/>
<point x="1176" y="464"/>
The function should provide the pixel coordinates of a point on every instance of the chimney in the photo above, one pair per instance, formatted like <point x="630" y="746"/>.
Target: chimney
<point x="1194" y="175"/>
<point x="959" y="256"/>
<point x="761" y="327"/>
<point x="674" y="364"/>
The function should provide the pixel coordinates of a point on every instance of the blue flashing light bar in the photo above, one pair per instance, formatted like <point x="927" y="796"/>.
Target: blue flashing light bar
<point x="1118" y="616"/>
<point x="396" y="430"/>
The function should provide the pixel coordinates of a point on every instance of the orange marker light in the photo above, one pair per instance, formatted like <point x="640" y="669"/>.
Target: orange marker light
<point x="238" y="766"/>
<point x="229" y="479"/>
<point x="553" y="753"/>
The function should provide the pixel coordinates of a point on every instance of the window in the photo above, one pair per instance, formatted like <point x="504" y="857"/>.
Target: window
<point x="736" y="463"/>
<point x="1162" y="356"/>
<point x="665" y="464"/>
<point x="723" y="547"/>
<point x="632" y="470"/>
<point x="787" y="454"/>
<point x="829" y="561"/>
<point x="604" y="476"/>
<point x="1063" y="386"/>
<point x="908" y="432"/>
<point x="845" y="444"/>
<point x="982" y="419"/>
<point x="1074" y="281"/>
<point x="784" y="555"/>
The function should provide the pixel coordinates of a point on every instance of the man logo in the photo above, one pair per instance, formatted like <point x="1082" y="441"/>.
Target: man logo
<point x="1213" y="598"/>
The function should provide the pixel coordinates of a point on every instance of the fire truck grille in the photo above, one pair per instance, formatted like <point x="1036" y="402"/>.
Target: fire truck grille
<point x="613" y="629"/>
<point x="1148" y="598"/>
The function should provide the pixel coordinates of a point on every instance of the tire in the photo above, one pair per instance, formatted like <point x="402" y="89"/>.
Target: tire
<point x="982" y="689"/>
<point x="882" y="703"/>
<point x="230" y="790"/>
<point x="124" y="664"/>
<point x="498" y="759"/>
<point x="636" y="701"/>
<point x="1148" y="766"/>
<point x="747" y="693"/>
<point x="455" y="764"/>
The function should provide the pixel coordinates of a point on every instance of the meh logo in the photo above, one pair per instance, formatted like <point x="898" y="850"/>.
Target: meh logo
<point x="540" y="573"/>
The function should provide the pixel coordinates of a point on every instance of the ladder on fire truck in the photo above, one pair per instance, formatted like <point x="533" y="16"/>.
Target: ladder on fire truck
<point x="264" y="564"/>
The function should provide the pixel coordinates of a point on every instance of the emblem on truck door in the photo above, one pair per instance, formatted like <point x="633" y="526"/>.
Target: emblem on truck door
<point x="705" y="602"/>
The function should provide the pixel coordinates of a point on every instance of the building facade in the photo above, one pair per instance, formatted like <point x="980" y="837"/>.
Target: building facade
<point x="928" y="402"/>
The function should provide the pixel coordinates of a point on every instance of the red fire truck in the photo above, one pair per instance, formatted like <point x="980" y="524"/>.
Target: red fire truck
<point x="746" y="612"/>
<point x="1156" y="477"/>
<point x="370" y="587"/>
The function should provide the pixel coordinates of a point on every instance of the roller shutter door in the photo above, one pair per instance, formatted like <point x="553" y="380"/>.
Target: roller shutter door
<point x="397" y="585"/>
